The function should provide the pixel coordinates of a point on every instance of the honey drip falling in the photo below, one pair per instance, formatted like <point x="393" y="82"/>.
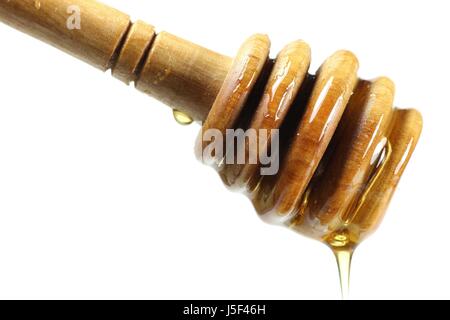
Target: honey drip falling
<point x="344" y="261"/>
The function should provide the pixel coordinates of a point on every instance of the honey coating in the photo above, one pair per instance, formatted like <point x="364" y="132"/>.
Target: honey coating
<point x="343" y="144"/>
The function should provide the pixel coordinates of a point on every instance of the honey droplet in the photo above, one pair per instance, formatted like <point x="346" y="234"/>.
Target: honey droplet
<point x="182" y="118"/>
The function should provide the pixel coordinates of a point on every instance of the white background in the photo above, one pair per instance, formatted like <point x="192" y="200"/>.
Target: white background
<point x="102" y="197"/>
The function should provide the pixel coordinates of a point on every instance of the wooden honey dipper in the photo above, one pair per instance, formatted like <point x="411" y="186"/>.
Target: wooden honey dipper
<point x="343" y="147"/>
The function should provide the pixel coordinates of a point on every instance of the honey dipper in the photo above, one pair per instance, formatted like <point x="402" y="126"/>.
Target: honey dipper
<point x="342" y="145"/>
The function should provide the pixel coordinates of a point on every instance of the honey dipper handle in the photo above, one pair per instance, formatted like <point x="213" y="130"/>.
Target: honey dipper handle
<point x="177" y="72"/>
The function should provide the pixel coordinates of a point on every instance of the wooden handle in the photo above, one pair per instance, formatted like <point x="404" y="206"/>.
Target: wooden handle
<point x="181" y="74"/>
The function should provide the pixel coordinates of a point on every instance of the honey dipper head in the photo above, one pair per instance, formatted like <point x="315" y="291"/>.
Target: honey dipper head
<point x="342" y="145"/>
